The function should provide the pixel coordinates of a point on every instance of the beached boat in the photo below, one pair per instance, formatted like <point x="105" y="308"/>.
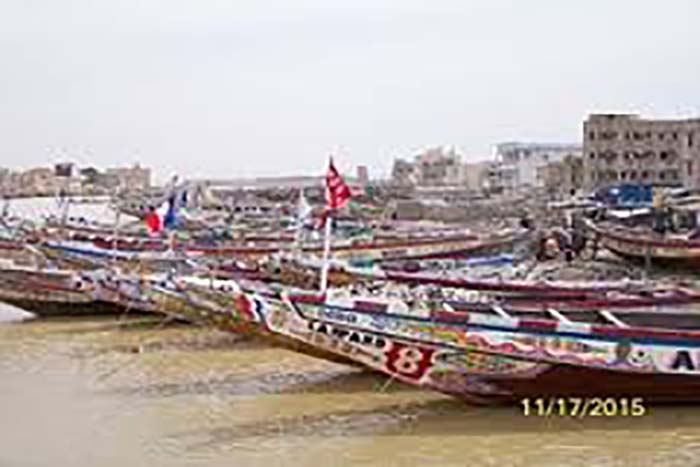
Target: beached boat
<point x="361" y="249"/>
<point x="641" y="244"/>
<point x="46" y="292"/>
<point x="67" y="292"/>
<point x="646" y="352"/>
<point x="223" y="305"/>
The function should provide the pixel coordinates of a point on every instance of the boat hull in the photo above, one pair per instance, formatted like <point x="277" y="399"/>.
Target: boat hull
<point x="658" y="250"/>
<point x="568" y="381"/>
<point x="49" y="308"/>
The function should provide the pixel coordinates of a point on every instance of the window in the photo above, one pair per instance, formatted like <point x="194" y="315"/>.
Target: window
<point x="663" y="155"/>
<point x="645" y="174"/>
<point x="592" y="155"/>
<point x="591" y="135"/>
<point x="690" y="139"/>
<point x="675" y="135"/>
<point x="662" y="175"/>
<point x="661" y="136"/>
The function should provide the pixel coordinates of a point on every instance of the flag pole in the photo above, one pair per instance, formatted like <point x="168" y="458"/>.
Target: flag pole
<point x="337" y="194"/>
<point x="326" y="253"/>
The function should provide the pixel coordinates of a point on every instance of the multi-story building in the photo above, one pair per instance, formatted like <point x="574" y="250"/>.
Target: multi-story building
<point x="134" y="178"/>
<point x="501" y="177"/>
<point x="404" y="173"/>
<point x="517" y="163"/>
<point x="39" y="181"/>
<point x="433" y="167"/>
<point x="624" y="148"/>
<point x="475" y="175"/>
<point x="439" y="166"/>
<point x="10" y="183"/>
<point x="563" y="178"/>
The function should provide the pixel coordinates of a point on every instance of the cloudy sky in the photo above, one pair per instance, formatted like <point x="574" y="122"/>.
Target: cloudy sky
<point x="262" y="87"/>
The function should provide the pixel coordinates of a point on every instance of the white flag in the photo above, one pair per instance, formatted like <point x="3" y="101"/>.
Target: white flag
<point x="304" y="209"/>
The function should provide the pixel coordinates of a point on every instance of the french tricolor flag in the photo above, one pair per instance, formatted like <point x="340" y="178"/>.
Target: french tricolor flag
<point x="164" y="217"/>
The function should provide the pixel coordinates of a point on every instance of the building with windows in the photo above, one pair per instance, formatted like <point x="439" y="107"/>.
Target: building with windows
<point x="433" y="167"/>
<point x="475" y="175"/>
<point x="624" y="148"/>
<point x="517" y="163"/>
<point x="129" y="179"/>
<point x="563" y="178"/>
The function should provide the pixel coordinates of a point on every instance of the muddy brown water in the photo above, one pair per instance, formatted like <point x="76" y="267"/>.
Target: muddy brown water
<point x="91" y="392"/>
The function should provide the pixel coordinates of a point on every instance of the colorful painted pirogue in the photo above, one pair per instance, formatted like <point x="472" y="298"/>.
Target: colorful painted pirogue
<point x="638" y="245"/>
<point x="223" y="305"/>
<point x="43" y="291"/>
<point x="499" y="357"/>
<point x="351" y="250"/>
<point x="64" y="292"/>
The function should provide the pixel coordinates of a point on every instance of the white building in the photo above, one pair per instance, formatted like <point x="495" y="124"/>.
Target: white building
<point x="517" y="163"/>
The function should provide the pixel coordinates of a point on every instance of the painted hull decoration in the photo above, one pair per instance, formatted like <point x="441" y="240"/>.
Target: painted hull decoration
<point x="492" y="359"/>
<point x="632" y="245"/>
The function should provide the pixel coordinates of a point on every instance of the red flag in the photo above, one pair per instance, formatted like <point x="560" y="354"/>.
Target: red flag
<point x="337" y="192"/>
<point x="153" y="222"/>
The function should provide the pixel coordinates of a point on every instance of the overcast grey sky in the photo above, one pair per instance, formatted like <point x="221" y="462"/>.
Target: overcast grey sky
<point x="240" y="88"/>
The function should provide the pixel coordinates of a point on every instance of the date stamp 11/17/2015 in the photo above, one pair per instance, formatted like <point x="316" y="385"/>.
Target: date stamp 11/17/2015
<point x="582" y="407"/>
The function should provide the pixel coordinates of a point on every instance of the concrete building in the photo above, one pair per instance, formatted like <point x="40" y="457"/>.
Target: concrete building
<point x="475" y="175"/>
<point x="439" y="166"/>
<point x="404" y="173"/>
<point x="433" y="167"/>
<point x="10" y="183"/>
<point x="39" y="181"/>
<point x="517" y="163"/>
<point x="66" y="178"/>
<point x="134" y="178"/>
<point x="562" y="178"/>
<point x="500" y="177"/>
<point x="362" y="175"/>
<point x="624" y="148"/>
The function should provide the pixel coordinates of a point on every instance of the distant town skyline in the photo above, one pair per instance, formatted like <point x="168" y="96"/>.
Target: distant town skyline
<point x="243" y="89"/>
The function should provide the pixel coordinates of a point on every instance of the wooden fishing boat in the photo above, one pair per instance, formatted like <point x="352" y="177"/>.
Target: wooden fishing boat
<point x="306" y="274"/>
<point x="221" y="304"/>
<point x="358" y="249"/>
<point x="64" y="292"/>
<point x="503" y="357"/>
<point x="641" y="244"/>
<point x="44" y="292"/>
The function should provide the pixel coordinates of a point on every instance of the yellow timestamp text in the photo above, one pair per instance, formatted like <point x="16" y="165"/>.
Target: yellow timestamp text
<point x="581" y="407"/>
